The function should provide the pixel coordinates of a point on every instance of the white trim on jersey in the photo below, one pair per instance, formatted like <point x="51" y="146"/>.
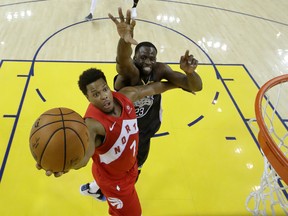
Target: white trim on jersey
<point x="129" y="127"/>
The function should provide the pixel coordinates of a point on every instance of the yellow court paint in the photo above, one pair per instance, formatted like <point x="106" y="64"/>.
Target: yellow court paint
<point x="205" y="163"/>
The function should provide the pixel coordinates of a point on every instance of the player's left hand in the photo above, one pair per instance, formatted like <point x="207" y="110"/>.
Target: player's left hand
<point x="125" y="28"/>
<point x="49" y="173"/>
<point x="188" y="63"/>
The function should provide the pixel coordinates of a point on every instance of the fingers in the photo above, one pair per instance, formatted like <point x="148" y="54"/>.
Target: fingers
<point x="128" y="17"/>
<point x="194" y="62"/>
<point x="48" y="173"/>
<point x="186" y="54"/>
<point x="133" y="23"/>
<point x="184" y="58"/>
<point x="121" y="16"/>
<point x="113" y="18"/>
<point x="56" y="174"/>
<point x="38" y="166"/>
<point x="189" y="58"/>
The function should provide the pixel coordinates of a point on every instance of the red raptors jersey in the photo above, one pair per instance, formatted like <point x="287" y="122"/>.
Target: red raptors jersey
<point x="117" y="154"/>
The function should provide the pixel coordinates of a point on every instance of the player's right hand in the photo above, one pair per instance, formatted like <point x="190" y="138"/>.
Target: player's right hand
<point x="49" y="173"/>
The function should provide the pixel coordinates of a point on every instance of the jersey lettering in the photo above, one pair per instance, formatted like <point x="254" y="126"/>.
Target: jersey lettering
<point x="117" y="150"/>
<point x="133" y="146"/>
<point x="129" y="127"/>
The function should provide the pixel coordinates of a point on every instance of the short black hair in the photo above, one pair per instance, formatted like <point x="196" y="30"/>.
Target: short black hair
<point x="145" y="43"/>
<point x="89" y="76"/>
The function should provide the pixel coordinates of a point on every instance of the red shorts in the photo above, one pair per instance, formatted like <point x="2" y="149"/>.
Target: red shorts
<point x="121" y="194"/>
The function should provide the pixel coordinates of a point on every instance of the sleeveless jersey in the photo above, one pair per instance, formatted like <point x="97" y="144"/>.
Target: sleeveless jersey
<point x="149" y="113"/>
<point x="117" y="154"/>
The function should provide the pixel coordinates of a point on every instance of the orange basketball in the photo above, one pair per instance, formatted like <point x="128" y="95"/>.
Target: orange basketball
<point x="59" y="139"/>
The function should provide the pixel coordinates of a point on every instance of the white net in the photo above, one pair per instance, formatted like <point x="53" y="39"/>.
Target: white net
<point x="271" y="196"/>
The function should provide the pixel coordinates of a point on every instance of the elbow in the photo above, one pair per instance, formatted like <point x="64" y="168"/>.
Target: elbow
<point x="199" y="87"/>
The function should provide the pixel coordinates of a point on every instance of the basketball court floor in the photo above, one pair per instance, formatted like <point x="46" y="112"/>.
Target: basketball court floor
<point x="205" y="158"/>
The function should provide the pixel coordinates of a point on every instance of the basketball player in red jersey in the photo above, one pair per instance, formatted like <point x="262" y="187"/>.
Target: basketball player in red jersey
<point x="140" y="71"/>
<point x="113" y="143"/>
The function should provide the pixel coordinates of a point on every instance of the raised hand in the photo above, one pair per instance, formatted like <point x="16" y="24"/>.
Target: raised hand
<point x="125" y="28"/>
<point x="188" y="63"/>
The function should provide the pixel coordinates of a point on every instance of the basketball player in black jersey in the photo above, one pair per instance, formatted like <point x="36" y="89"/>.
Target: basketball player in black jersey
<point x="143" y="69"/>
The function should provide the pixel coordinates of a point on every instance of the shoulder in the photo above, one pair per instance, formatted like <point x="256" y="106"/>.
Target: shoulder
<point x="160" y="69"/>
<point x="95" y="126"/>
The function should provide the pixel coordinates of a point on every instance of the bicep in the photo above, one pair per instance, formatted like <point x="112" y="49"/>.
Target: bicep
<point x="96" y="130"/>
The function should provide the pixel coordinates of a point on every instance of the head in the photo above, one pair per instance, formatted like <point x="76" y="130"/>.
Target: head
<point x="93" y="85"/>
<point x="145" y="57"/>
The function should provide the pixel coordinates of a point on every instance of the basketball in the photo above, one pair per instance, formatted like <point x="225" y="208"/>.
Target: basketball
<point x="59" y="139"/>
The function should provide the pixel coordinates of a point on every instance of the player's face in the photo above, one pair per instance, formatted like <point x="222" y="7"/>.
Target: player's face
<point x="145" y="58"/>
<point x="100" y="95"/>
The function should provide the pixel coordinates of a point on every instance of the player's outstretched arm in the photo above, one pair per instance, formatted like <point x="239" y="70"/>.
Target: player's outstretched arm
<point x="135" y="93"/>
<point x="190" y="81"/>
<point x="128" y="73"/>
<point x="95" y="128"/>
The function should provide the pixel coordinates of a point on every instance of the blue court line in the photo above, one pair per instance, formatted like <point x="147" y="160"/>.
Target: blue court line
<point x="9" y="116"/>
<point x="161" y="134"/>
<point x="196" y="120"/>
<point x="282" y="186"/>
<point x="253" y="119"/>
<point x="227" y="10"/>
<point x="214" y="101"/>
<point x="40" y="95"/>
<point x="22" y="75"/>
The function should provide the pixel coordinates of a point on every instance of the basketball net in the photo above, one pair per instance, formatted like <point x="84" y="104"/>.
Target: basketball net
<point x="271" y="196"/>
